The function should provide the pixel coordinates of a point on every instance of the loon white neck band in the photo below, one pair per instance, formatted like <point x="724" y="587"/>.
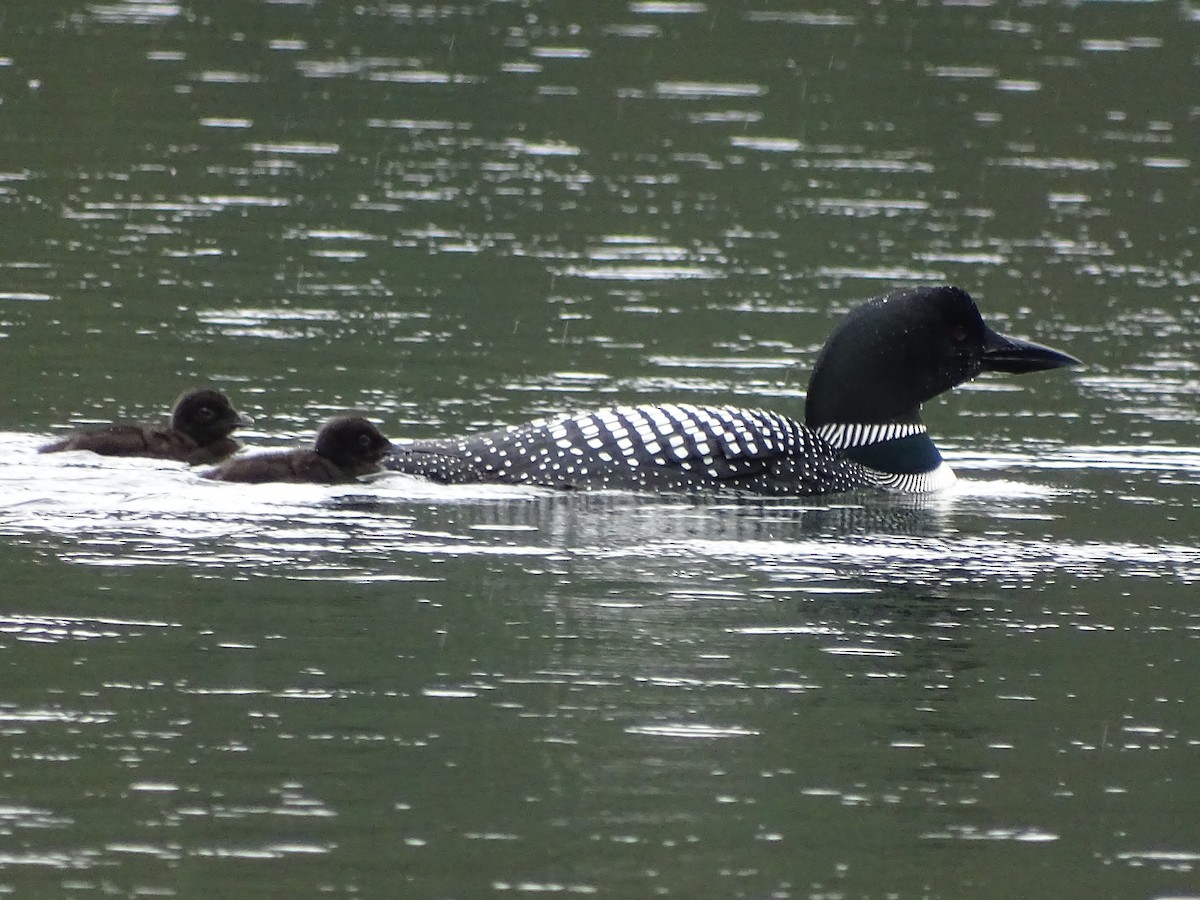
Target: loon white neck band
<point x="844" y="435"/>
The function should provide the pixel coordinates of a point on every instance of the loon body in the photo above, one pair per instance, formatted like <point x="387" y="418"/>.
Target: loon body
<point x="201" y="424"/>
<point x="346" y="448"/>
<point x="862" y="425"/>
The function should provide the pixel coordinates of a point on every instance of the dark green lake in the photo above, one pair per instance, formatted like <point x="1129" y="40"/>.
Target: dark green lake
<point x="455" y="216"/>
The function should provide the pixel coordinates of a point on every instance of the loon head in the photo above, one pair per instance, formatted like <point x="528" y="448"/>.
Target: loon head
<point x="890" y="355"/>
<point x="351" y="443"/>
<point x="205" y="416"/>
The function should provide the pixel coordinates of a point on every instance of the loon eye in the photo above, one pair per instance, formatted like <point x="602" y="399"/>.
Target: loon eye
<point x="364" y="440"/>
<point x="205" y="413"/>
<point x="958" y="334"/>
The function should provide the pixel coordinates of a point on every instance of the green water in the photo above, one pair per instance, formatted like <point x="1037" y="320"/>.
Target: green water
<point x="450" y="217"/>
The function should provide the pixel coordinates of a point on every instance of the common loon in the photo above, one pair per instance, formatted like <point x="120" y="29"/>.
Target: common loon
<point x="199" y="433"/>
<point x="862" y="425"/>
<point x="346" y="447"/>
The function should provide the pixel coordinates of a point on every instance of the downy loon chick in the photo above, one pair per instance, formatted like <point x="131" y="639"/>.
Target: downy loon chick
<point x="862" y="426"/>
<point x="198" y="434"/>
<point x="346" y="447"/>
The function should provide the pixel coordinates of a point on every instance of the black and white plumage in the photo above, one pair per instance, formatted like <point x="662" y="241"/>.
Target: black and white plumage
<point x="667" y="447"/>
<point x="862" y="424"/>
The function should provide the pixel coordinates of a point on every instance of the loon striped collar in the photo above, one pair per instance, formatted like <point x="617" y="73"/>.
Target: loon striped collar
<point x="849" y="436"/>
<point x="845" y="435"/>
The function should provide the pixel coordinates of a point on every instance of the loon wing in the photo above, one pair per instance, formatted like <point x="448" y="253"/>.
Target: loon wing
<point x="657" y="447"/>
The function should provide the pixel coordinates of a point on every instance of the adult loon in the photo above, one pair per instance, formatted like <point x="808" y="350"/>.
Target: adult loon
<point x="201" y="423"/>
<point x="862" y="426"/>
<point x="346" y="447"/>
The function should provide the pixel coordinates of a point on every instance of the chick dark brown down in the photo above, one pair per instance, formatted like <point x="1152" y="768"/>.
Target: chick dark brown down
<point x="346" y="448"/>
<point x="199" y="433"/>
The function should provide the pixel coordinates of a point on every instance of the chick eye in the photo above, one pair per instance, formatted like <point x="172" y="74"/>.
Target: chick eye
<point x="205" y="412"/>
<point x="958" y="334"/>
<point x="364" y="440"/>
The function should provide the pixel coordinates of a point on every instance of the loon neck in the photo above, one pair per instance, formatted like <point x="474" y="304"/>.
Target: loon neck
<point x="896" y="448"/>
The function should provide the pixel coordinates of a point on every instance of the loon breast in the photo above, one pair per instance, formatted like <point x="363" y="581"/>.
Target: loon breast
<point x="667" y="447"/>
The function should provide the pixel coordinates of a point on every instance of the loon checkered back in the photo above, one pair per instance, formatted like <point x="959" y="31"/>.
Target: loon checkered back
<point x="862" y="424"/>
<point x="668" y="447"/>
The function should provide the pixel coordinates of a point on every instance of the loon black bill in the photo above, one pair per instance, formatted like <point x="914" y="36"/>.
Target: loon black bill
<point x="1006" y="354"/>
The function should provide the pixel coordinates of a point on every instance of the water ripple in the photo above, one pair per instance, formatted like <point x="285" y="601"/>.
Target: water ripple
<point x="147" y="513"/>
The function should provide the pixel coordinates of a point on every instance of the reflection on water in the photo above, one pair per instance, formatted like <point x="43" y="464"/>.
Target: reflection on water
<point x="146" y="512"/>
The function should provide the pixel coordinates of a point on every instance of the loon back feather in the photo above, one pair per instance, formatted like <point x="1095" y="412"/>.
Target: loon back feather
<point x="666" y="447"/>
